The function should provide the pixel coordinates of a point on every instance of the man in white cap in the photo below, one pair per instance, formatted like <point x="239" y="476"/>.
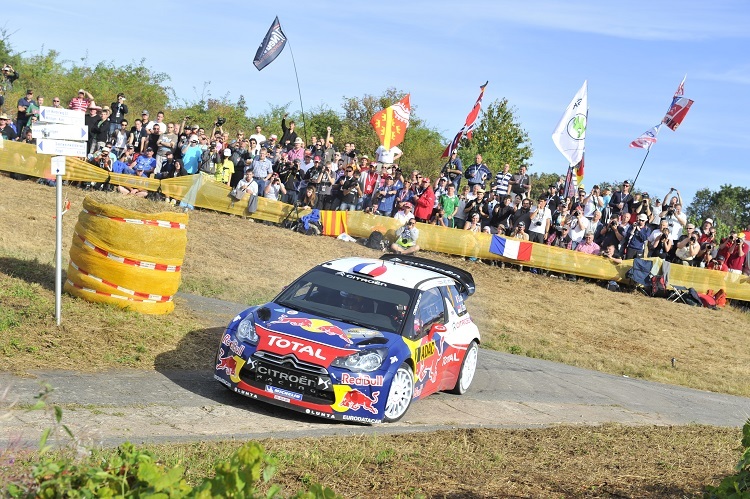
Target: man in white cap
<point x="635" y="238"/>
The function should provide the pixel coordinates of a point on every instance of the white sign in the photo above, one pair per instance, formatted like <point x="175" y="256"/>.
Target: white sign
<point x="62" y="116"/>
<point x="62" y="132"/>
<point x="61" y="147"/>
<point x="58" y="165"/>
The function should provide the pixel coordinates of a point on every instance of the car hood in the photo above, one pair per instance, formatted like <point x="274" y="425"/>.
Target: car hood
<point x="314" y="328"/>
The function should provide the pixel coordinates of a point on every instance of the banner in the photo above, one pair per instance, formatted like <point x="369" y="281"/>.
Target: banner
<point x="647" y="138"/>
<point x="677" y="112"/>
<point x="271" y="47"/>
<point x="570" y="133"/>
<point x="390" y="123"/>
<point x="468" y="129"/>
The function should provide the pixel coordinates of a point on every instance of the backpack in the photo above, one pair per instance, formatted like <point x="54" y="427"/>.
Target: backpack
<point x="658" y="286"/>
<point x="707" y="300"/>
<point x="375" y="241"/>
<point x="692" y="298"/>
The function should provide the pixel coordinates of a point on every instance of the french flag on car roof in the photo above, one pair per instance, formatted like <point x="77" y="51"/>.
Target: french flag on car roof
<point x="371" y="269"/>
<point x="511" y="248"/>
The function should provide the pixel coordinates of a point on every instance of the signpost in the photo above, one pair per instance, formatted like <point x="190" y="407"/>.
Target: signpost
<point x="61" y="147"/>
<point x="61" y="132"/>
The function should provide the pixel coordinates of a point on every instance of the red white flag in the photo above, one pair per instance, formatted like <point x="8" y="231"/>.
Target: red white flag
<point x="647" y="138"/>
<point x="468" y="129"/>
<point x="390" y="123"/>
<point x="679" y="107"/>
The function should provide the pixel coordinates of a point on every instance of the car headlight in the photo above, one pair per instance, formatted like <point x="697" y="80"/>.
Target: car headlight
<point x="246" y="330"/>
<point x="364" y="361"/>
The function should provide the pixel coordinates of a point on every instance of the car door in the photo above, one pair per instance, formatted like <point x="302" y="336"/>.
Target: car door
<point x="428" y="331"/>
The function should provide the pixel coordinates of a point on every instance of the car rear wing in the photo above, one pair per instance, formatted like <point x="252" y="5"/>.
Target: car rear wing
<point x="463" y="278"/>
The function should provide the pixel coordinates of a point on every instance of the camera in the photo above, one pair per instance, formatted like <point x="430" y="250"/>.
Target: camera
<point x="6" y="67"/>
<point x="220" y="121"/>
<point x="692" y="239"/>
<point x="537" y="223"/>
<point x="213" y="144"/>
<point x="670" y="212"/>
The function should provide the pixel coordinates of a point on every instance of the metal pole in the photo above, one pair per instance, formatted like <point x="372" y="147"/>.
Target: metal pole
<point x="632" y="187"/>
<point x="58" y="248"/>
<point x="299" y="90"/>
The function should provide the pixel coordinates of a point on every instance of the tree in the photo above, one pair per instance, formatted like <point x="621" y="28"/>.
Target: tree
<point x="499" y="138"/>
<point x="729" y="206"/>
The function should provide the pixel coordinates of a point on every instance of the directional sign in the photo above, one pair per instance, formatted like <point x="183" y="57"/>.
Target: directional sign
<point x="58" y="165"/>
<point x="62" y="116"/>
<point x="62" y="132"/>
<point x="61" y="147"/>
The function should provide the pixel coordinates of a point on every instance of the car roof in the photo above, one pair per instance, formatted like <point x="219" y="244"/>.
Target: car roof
<point x="389" y="272"/>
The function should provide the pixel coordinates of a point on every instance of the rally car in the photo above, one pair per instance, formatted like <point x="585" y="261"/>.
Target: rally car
<point x="356" y="339"/>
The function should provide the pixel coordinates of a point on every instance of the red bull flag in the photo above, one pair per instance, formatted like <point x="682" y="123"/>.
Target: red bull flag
<point x="390" y="123"/>
<point x="678" y="109"/>
<point x="271" y="46"/>
<point x="647" y="138"/>
<point x="468" y="129"/>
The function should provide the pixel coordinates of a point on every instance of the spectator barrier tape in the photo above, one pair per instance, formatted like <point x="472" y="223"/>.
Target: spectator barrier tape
<point x="126" y="258"/>
<point x="202" y="192"/>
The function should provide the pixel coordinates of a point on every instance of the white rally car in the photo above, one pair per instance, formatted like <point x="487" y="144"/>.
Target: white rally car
<point x="356" y="339"/>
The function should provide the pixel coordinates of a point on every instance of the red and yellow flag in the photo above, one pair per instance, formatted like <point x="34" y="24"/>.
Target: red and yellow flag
<point x="390" y="124"/>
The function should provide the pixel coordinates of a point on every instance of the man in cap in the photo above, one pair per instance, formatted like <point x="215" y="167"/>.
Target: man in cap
<point x="192" y="155"/>
<point x="24" y="103"/>
<point x="6" y="131"/>
<point x="453" y="169"/>
<point x="297" y="151"/>
<point x="147" y="124"/>
<point x="634" y="240"/>
<point x="406" y="238"/>
<point x="405" y="213"/>
<point x="119" y="110"/>
<point x="91" y="121"/>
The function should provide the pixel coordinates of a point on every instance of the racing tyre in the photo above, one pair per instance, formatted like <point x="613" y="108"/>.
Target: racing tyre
<point x="400" y="394"/>
<point x="468" y="369"/>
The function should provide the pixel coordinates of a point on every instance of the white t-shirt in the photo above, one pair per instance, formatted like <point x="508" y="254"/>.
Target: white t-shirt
<point x="540" y="217"/>
<point x="402" y="216"/>
<point x="272" y="192"/>
<point x="384" y="155"/>
<point x="577" y="230"/>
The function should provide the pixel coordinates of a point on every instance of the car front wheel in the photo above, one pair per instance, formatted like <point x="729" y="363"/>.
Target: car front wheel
<point x="400" y="394"/>
<point x="468" y="369"/>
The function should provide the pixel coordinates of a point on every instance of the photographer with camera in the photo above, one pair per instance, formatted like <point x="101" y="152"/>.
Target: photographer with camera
<point x="541" y="219"/>
<point x="660" y="241"/>
<point x="672" y="211"/>
<point x="687" y="247"/>
<point x="9" y="75"/>
<point x="733" y="249"/>
<point x="274" y="188"/>
<point x="578" y="225"/>
<point x="406" y="238"/>
<point x="633" y="241"/>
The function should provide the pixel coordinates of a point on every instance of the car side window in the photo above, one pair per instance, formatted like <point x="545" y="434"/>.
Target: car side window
<point x="455" y="299"/>
<point x="430" y="310"/>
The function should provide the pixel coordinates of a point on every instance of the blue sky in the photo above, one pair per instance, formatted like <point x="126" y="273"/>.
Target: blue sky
<point x="534" y="53"/>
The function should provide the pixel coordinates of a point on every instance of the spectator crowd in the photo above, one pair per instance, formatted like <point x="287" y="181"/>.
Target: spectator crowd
<point x="615" y="224"/>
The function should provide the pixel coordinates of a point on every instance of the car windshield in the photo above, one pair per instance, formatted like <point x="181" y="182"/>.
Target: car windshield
<point x="349" y="298"/>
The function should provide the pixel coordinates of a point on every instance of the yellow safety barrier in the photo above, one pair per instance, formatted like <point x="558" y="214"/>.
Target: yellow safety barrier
<point x="203" y="192"/>
<point x="126" y="258"/>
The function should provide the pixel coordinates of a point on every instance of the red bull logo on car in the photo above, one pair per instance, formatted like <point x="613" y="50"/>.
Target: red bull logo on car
<point x="354" y="400"/>
<point x="231" y="365"/>
<point x="314" y="326"/>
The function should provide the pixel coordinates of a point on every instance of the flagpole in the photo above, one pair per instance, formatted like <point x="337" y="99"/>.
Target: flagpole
<point x="632" y="187"/>
<point x="299" y="90"/>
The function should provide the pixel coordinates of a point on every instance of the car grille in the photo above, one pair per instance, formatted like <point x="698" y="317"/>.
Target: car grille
<point x="289" y="373"/>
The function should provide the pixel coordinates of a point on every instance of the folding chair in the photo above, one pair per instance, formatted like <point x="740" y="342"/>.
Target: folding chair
<point x="641" y="275"/>
<point x="677" y="293"/>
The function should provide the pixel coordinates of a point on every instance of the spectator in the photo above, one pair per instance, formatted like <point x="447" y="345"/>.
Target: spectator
<point x="614" y="231"/>
<point x="406" y="238"/>
<point x="7" y="77"/>
<point x="501" y="185"/>
<point x="523" y="214"/>
<point x="146" y="163"/>
<point x="540" y="222"/>
<point x="388" y="156"/>
<point x="225" y="170"/>
<point x="610" y="253"/>
<point x="119" y="110"/>
<point x="448" y="202"/>
<point x="405" y="214"/>
<point x="288" y="135"/>
<point x="6" y="130"/>
<point x="735" y="251"/>
<point x="310" y="198"/>
<point x="636" y="237"/>
<point x="520" y="183"/>
<point x="660" y="242"/>
<point x="297" y="151"/>
<point x="621" y="201"/>
<point x="520" y="232"/>
<point x="405" y="195"/>
<point x="274" y="188"/>
<point x="82" y="102"/>
<point x="478" y="173"/>
<point x="644" y="206"/>
<point x="191" y="156"/>
<point x="717" y="263"/>
<point x="501" y="217"/>
<point x="553" y="199"/>
<point x="473" y="224"/>
<point x="24" y="103"/>
<point x="248" y="184"/>
<point x="147" y="124"/>
<point x="262" y="170"/>
<point x="588" y="245"/>
<point x="385" y="197"/>
<point x="687" y="248"/>
<point x="120" y="138"/>
<point x="350" y="189"/>
<point x="453" y="169"/>
<point x="424" y="198"/>
<point x="560" y="238"/>
<point x="672" y="211"/>
<point x="56" y="102"/>
<point x="578" y="225"/>
<point x="592" y="203"/>
<point x="91" y="121"/>
<point x="166" y="143"/>
<point x="101" y="130"/>
<point x="138" y="136"/>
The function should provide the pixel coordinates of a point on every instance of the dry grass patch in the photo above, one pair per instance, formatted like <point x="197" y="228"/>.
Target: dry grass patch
<point x="228" y="257"/>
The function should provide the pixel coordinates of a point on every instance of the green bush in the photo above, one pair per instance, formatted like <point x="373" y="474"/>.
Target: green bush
<point x="736" y="486"/>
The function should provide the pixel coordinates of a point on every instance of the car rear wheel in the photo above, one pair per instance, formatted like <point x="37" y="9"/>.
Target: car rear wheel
<point x="468" y="369"/>
<point x="400" y="394"/>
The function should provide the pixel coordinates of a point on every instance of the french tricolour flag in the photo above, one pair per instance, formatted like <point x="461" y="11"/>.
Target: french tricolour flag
<point x="511" y="248"/>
